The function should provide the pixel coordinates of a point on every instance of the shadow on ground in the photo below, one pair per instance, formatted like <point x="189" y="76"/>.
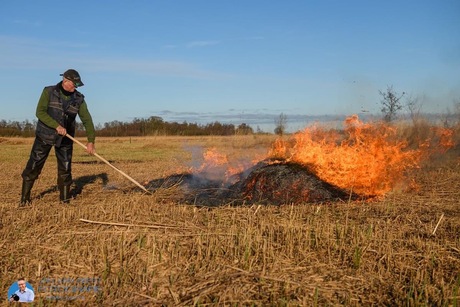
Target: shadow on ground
<point x="78" y="185"/>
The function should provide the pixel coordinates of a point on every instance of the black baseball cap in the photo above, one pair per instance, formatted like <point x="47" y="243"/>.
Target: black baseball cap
<point x="73" y="76"/>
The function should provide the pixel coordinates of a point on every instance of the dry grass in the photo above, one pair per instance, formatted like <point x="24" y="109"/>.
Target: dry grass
<point x="151" y="250"/>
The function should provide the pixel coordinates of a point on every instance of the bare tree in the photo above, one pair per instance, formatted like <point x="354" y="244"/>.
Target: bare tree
<point x="281" y="124"/>
<point x="452" y="117"/>
<point x="457" y="109"/>
<point x="391" y="103"/>
<point x="414" y="106"/>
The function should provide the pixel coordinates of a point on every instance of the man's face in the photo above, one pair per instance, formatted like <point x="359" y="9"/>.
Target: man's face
<point x="22" y="285"/>
<point x="68" y="85"/>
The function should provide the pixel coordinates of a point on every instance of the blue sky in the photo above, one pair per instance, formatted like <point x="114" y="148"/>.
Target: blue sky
<point x="231" y="61"/>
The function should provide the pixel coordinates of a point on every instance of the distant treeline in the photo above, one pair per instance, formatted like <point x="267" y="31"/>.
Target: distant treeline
<point x="138" y="127"/>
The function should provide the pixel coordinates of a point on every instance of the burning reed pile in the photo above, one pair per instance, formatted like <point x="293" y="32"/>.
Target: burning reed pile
<point x="268" y="182"/>
<point x="286" y="183"/>
<point x="315" y="166"/>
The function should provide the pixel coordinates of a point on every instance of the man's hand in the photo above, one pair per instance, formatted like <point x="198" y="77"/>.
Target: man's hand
<point x="61" y="130"/>
<point x="90" y="148"/>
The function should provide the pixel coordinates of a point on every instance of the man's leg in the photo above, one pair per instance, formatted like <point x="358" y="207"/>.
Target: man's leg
<point x="34" y="166"/>
<point x="64" y="180"/>
<point x="25" y="192"/>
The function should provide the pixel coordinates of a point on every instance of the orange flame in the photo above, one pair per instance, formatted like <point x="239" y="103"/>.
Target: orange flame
<point x="366" y="159"/>
<point x="212" y="158"/>
<point x="217" y="166"/>
<point x="446" y="138"/>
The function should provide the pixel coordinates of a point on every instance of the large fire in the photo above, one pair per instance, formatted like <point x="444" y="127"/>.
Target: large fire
<point x="365" y="158"/>
<point x="360" y="161"/>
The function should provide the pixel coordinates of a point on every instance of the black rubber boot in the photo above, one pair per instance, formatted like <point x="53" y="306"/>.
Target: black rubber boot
<point x="25" y="195"/>
<point x="64" y="194"/>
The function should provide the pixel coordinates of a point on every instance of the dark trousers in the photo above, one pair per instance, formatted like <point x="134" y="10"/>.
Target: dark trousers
<point x="39" y="154"/>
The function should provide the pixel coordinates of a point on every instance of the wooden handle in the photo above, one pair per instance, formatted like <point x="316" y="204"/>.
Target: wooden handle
<point x="109" y="164"/>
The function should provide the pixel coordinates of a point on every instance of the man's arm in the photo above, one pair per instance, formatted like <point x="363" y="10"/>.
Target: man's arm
<point x="87" y="121"/>
<point x="42" y="110"/>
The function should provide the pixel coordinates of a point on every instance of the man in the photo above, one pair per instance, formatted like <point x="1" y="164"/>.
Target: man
<point x="24" y="294"/>
<point x="56" y="112"/>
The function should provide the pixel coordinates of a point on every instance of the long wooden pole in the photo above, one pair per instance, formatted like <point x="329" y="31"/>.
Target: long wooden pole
<point x="109" y="164"/>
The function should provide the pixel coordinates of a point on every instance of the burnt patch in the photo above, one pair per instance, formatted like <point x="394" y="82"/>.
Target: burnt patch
<point x="191" y="189"/>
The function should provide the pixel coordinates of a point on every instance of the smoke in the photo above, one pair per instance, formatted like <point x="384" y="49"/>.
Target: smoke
<point x="211" y="168"/>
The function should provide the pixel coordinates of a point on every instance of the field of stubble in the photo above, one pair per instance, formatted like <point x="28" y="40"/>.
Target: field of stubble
<point x="115" y="245"/>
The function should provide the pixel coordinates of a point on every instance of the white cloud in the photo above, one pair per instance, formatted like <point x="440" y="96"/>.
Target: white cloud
<point x="202" y="43"/>
<point x="28" y="23"/>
